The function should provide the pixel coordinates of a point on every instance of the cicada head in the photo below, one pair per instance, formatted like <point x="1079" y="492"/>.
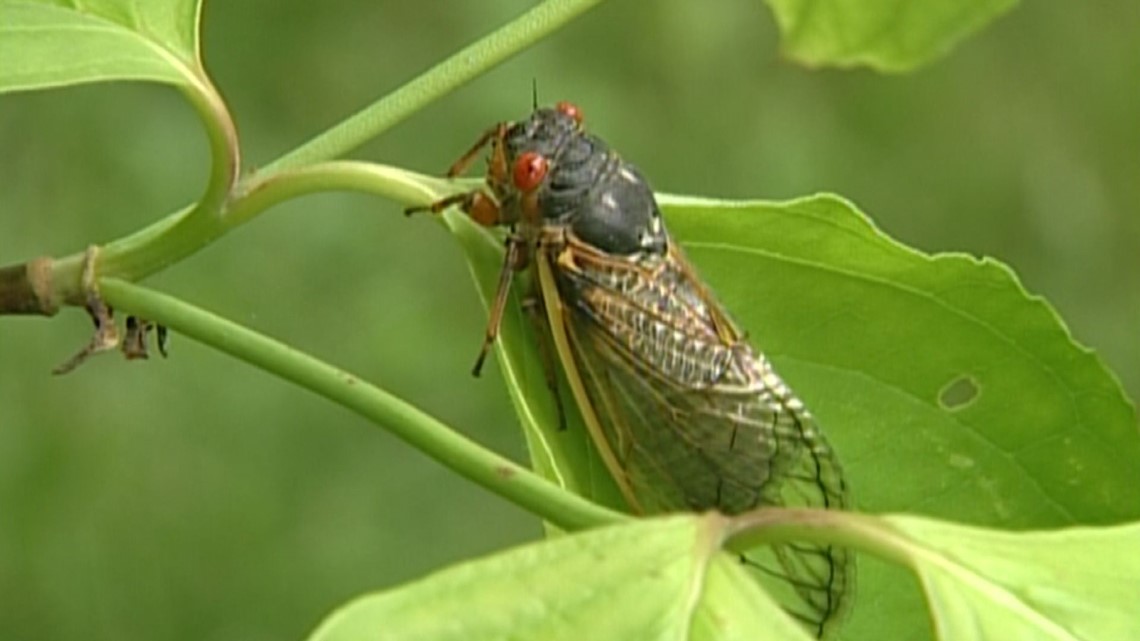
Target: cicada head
<point x="560" y="175"/>
<point x="544" y="132"/>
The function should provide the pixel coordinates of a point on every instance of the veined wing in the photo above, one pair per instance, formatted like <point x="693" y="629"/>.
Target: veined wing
<point x="693" y="417"/>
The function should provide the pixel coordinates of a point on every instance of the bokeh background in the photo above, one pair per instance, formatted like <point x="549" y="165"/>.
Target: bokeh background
<point x="196" y="498"/>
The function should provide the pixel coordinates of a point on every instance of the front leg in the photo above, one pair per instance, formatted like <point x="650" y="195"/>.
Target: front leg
<point x="481" y="207"/>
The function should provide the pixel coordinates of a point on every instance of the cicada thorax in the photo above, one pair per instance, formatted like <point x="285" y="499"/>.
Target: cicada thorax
<point x="684" y="412"/>
<point x="584" y="187"/>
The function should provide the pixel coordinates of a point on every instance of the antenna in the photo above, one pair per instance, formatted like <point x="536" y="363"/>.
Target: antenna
<point x="534" y="91"/>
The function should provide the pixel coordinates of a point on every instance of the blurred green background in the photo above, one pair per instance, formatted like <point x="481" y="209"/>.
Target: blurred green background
<point x="196" y="498"/>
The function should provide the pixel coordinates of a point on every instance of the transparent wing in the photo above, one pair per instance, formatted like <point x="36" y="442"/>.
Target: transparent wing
<point x="696" y="418"/>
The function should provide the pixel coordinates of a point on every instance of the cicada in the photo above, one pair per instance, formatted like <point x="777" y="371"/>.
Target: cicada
<point x="684" y="412"/>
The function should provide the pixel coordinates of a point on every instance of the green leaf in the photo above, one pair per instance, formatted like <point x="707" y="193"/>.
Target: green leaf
<point x="53" y="44"/>
<point x="1077" y="583"/>
<point x="882" y="34"/>
<point x="944" y="387"/>
<point x="875" y="335"/>
<point x="642" y="580"/>
<point x="665" y="578"/>
<point x="734" y="607"/>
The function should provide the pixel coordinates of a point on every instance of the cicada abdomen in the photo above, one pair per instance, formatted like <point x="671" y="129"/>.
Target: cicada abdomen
<point x="695" y="418"/>
<point x="684" y="412"/>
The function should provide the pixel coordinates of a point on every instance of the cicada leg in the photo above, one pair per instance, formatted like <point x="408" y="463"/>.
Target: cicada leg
<point x="465" y="201"/>
<point x="533" y="306"/>
<point x="497" y="168"/>
<point x="484" y="210"/>
<point x="481" y="207"/>
<point x="514" y="259"/>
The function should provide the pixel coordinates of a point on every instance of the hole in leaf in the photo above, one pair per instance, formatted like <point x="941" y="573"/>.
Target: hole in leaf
<point x="959" y="393"/>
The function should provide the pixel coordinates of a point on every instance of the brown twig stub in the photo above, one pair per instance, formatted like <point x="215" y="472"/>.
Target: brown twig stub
<point x="135" y="340"/>
<point x="27" y="288"/>
<point x="106" y="336"/>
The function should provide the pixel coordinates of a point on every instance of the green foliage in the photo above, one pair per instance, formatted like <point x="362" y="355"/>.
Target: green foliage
<point x="985" y="584"/>
<point x="882" y="34"/>
<point x="880" y="331"/>
<point x="652" y="579"/>
<point x="946" y="388"/>
<point x="49" y="44"/>
<point x="662" y="579"/>
<point x="877" y="333"/>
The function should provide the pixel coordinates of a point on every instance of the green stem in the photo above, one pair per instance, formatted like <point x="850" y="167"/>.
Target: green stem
<point x="400" y="185"/>
<point x="225" y="150"/>
<point x="445" y="77"/>
<point x="498" y="474"/>
<point x="848" y="529"/>
<point x="186" y="232"/>
<point x="179" y="235"/>
<point x="183" y="233"/>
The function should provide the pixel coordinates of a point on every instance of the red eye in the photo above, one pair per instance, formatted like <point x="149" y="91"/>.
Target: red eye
<point x="530" y="169"/>
<point x="570" y="109"/>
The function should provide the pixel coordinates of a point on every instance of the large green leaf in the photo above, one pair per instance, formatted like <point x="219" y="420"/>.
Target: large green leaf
<point x="51" y="44"/>
<point x="664" y="578"/>
<point x="1076" y="583"/>
<point x="887" y="35"/>
<point x="945" y="388"/>
<point x="646" y="579"/>
<point x="940" y="370"/>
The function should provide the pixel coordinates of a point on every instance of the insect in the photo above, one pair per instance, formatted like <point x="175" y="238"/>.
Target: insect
<point x="684" y="412"/>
